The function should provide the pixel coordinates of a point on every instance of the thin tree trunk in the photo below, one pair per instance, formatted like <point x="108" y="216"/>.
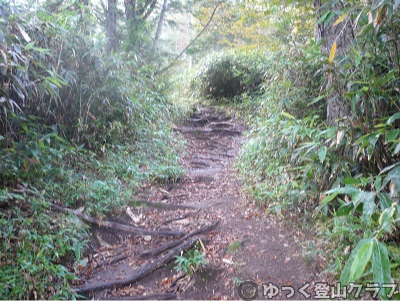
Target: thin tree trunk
<point x="130" y="7"/>
<point x="343" y="35"/>
<point x="160" y="25"/>
<point x="137" y="12"/>
<point x="112" y="26"/>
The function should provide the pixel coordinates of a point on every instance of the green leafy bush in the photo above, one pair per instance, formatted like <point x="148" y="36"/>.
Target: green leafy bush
<point x="274" y="165"/>
<point x="36" y="153"/>
<point x="78" y="127"/>
<point x="230" y="74"/>
<point x="53" y="70"/>
<point x="36" y="248"/>
<point x="346" y="174"/>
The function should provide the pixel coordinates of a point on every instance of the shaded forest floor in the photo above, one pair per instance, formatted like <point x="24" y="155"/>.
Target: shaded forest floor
<point x="246" y="245"/>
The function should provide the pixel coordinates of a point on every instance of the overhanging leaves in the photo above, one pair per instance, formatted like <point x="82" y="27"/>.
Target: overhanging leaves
<point x="357" y="262"/>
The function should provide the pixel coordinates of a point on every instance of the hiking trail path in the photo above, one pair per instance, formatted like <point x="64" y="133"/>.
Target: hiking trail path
<point x="245" y="245"/>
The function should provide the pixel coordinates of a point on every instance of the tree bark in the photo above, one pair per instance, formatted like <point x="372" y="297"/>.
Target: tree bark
<point x="343" y="35"/>
<point x="112" y="34"/>
<point x="136" y="12"/>
<point x="160" y="25"/>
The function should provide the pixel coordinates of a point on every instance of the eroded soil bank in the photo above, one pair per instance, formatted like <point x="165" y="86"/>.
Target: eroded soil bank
<point x="245" y="245"/>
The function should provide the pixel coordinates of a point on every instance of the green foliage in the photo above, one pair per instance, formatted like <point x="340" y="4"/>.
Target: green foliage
<point x="36" y="247"/>
<point x="190" y="263"/>
<point x="368" y="252"/>
<point x="347" y="174"/>
<point x="251" y="25"/>
<point x="24" y="76"/>
<point x="297" y="163"/>
<point x="230" y="74"/>
<point x="369" y="209"/>
<point x="180" y="90"/>
<point x="34" y="155"/>
<point x="106" y="99"/>
<point x="272" y="162"/>
<point x="371" y="188"/>
<point x="78" y="127"/>
<point x="233" y="247"/>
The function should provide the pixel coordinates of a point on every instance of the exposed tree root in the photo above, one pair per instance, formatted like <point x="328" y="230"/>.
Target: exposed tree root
<point x="226" y="132"/>
<point x="177" y="242"/>
<point x="160" y="296"/>
<point x="116" y="226"/>
<point x="179" y="277"/>
<point x="142" y="272"/>
<point x="178" y="218"/>
<point x="112" y="261"/>
<point x="205" y="132"/>
<point x="163" y="205"/>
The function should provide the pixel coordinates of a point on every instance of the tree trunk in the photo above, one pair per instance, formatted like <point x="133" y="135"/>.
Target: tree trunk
<point x="130" y="7"/>
<point x="137" y="12"/>
<point x="160" y="25"/>
<point x="343" y="35"/>
<point x="112" y="26"/>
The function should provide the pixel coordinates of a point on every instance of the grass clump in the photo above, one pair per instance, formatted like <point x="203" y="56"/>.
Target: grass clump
<point x="234" y="246"/>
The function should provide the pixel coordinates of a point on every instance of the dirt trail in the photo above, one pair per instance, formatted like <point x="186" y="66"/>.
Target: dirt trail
<point x="247" y="245"/>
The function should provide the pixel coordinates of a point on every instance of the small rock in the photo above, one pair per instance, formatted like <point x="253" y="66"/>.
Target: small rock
<point x="147" y="237"/>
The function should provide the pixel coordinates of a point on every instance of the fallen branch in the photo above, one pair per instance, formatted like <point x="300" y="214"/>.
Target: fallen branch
<point x="177" y="242"/>
<point x="143" y="272"/>
<point x="116" y="226"/>
<point x="160" y="296"/>
<point x="163" y="205"/>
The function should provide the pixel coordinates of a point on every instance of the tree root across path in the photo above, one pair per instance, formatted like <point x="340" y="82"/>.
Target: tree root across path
<point x="164" y="296"/>
<point x="143" y="272"/>
<point x="177" y="242"/>
<point x="112" y="261"/>
<point x="116" y="226"/>
<point x="183" y="244"/>
<point x="162" y="205"/>
<point x="246" y="244"/>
